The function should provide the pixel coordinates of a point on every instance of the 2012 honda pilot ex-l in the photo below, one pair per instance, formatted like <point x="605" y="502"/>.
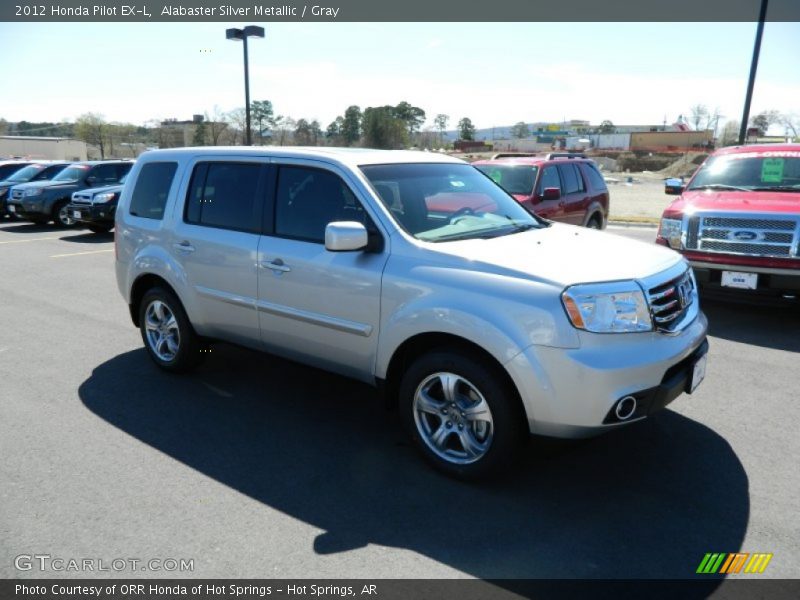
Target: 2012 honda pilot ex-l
<point x="413" y="272"/>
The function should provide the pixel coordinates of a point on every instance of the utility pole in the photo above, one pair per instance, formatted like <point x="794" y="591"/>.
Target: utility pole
<point x="753" y="67"/>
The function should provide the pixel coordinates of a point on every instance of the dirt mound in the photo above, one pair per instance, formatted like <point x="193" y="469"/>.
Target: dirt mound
<point x="685" y="166"/>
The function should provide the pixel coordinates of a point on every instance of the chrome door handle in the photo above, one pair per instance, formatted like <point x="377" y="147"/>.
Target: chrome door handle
<point x="275" y="265"/>
<point x="183" y="246"/>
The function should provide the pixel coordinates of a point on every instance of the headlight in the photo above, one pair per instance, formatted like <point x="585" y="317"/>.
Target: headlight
<point x="102" y="198"/>
<point x="33" y="192"/>
<point x="607" y="307"/>
<point x="671" y="231"/>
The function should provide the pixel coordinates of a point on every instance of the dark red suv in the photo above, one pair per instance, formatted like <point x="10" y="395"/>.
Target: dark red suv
<point x="563" y="187"/>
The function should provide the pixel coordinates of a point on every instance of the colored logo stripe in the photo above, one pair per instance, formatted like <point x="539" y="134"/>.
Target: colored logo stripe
<point x="731" y="563"/>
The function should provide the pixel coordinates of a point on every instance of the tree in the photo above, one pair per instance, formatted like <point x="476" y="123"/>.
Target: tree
<point x="216" y="125"/>
<point x="90" y="127"/>
<point x="383" y="128"/>
<point x="238" y="121"/>
<point x="466" y="129"/>
<point x="791" y="122"/>
<point x="199" y="137"/>
<point x="520" y="130"/>
<point x="764" y="120"/>
<point x="441" y="121"/>
<point x="699" y="115"/>
<point x="283" y="126"/>
<point x="730" y="134"/>
<point x="413" y="116"/>
<point x="351" y="127"/>
<point x="606" y="127"/>
<point x="316" y="131"/>
<point x="263" y="116"/>
<point x="302" y="133"/>
<point x="334" y="131"/>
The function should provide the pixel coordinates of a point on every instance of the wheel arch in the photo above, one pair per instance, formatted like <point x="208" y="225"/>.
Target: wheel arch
<point x="139" y="288"/>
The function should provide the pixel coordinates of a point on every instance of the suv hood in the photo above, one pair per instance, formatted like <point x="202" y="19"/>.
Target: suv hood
<point x="769" y="202"/>
<point x="103" y="190"/>
<point x="564" y="255"/>
<point x="47" y="184"/>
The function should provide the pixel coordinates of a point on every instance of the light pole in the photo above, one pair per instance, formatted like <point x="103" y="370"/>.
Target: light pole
<point x="242" y="35"/>
<point x="762" y="15"/>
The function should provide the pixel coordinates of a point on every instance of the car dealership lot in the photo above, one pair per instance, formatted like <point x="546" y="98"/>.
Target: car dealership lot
<point x="256" y="467"/>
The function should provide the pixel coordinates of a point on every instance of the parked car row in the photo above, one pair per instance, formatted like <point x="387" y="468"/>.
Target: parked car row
<point x="42" y="192"/>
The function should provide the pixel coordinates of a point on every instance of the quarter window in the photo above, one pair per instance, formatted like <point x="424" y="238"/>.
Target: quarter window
<point x="308" y="199"/>
<point x="595" y="178"/>
<point x="549" y="179"/>
<point x="152" y="189"/>
<point x="225" y="195"/>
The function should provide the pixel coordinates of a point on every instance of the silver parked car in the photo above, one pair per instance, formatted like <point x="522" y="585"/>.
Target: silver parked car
<point x="413" y="272"/>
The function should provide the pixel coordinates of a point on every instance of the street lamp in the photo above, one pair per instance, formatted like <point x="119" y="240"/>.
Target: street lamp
<point x="242" y="35"/>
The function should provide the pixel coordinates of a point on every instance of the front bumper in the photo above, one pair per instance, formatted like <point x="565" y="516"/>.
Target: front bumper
<point x="28" y="208"/>
<point x="772" y="284"/>
<point x="92" y="213"/>
<point x="571" y="392"/>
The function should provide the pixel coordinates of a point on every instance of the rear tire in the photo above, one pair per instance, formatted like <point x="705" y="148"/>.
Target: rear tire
<point x="595" y="223"/>
<point x="167" y="333"/>
<point x="462" y="414"/>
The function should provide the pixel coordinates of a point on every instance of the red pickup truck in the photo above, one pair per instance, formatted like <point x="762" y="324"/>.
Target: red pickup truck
<point x="737" y="221"/>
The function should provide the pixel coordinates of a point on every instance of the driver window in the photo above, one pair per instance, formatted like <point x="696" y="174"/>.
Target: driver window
<point x="548" y="179"/>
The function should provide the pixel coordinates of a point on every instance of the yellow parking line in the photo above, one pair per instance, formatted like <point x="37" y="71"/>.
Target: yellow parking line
<point x="79" y="253"/>
<point x="30" y="240"/>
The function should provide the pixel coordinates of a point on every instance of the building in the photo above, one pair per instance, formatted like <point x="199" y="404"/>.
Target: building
<point x="46" y="148"/>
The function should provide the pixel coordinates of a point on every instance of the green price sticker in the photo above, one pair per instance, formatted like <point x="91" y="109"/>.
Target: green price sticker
<point x="772" y="170"/>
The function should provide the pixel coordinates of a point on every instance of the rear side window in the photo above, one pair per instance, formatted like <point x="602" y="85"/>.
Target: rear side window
<point x="573" y="182"/>
<point x="308" y="199"/>
<point x="597" y="181"/>
<point x="152" y="188"/>
<point x="225" y="195"/>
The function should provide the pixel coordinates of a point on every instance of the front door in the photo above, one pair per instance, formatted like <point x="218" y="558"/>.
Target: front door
<point x="314" y="305"/>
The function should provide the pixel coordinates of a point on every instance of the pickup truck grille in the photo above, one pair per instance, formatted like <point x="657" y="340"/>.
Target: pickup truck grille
<point x="750" y="236"/>
<point x="669" y="301"/>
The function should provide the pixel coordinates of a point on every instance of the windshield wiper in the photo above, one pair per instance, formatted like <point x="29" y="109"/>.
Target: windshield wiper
<point x="779" y="188"/>
<point x="720" y="186"/>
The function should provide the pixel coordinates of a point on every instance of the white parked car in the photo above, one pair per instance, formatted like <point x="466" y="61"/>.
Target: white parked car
<point x="413" y="272"/>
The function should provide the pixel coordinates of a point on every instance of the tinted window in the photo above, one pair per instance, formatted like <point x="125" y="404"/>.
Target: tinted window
<point x="105" y="174"/>
<point x="8" y="170"/>
<point x="572" y="179"/>
<point x="152" y="188"/>
<point x="549" y="179"/>
<point x="595" y="178"/>
<point x="225" y="195"/>
<point x="25" y="174"/>
<point x="309" y="199"/>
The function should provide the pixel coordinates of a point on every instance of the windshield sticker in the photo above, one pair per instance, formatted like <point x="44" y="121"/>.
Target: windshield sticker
<point x="496" y="176"/>
<point x="772" y="170"/>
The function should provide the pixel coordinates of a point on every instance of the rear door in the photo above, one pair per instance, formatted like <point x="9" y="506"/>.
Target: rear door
<point x="216" y="240"/>
<point x="575" y="198"/>
<point x="318" y="306"/>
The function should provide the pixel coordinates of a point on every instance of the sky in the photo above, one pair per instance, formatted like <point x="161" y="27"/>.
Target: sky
<point x="494" y="73"/>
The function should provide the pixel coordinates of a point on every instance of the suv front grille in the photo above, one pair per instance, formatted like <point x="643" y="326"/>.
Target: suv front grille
<point x="751" y="236"/>
<point x="81" y="199"/>
<point x="671" y="300"/>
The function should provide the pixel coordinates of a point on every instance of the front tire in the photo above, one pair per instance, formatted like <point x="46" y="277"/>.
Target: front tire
<point x="99" y="228"/>
<point x="61" y="215"/>
<point x="167" y="333"/>
<point x="462" y="414"/>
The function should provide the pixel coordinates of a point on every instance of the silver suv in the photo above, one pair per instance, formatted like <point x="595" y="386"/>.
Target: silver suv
<point x="413" y="272"/>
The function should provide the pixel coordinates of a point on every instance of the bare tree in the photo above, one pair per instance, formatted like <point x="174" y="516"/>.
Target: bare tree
<point x="217" y="123"/>
<point x="791" y="122"/>
<point x="699" y="115"/>
<point x="90" y="127"/>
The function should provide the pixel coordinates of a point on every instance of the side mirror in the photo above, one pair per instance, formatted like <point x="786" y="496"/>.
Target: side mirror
<point x="551" y="193"/>
<point x="345" y="236"/>
<point x="673" y="187"/>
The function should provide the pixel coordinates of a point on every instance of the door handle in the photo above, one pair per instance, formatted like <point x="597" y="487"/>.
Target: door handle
<point x="276" y="265"/>
<point x="183" y="246"/>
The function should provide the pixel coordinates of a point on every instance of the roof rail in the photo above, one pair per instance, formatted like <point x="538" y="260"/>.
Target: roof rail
<point x="512" y="155"/>
<point x="553" y="155"/>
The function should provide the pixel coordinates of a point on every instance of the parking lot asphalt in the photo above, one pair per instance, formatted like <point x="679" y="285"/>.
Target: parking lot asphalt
<point x="257" y="467"/>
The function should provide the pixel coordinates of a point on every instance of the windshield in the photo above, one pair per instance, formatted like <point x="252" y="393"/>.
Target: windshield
<point x="26" y="174"/>
<point x="778" y="171"/>
<point x="444" y="202"/>
<point x="515" y="179"/>
<point x="71" y="173"/>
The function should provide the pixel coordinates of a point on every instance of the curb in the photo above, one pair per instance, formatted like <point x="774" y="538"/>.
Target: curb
<point x="634" y="221"/>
